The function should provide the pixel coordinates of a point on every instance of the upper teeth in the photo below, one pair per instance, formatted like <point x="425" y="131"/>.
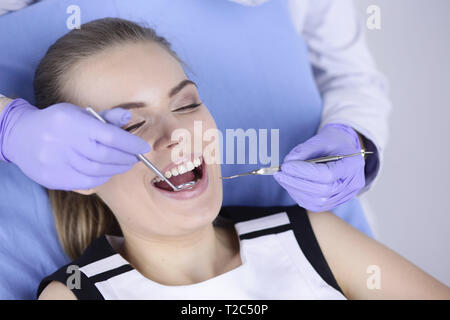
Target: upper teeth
<point x="180" y="169"/>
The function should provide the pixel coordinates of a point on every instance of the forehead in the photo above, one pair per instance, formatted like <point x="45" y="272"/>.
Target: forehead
<point x="126" y="72"/>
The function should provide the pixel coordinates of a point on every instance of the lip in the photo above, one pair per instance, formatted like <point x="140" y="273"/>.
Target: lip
<point x="197" y="190"/>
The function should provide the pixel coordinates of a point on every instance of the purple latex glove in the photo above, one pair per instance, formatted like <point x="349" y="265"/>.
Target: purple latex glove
<point x="324" y="186"/>
<point x="64" y="147"/>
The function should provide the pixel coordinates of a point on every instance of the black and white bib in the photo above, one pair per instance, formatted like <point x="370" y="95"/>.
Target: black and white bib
<point x="281" y="259"/>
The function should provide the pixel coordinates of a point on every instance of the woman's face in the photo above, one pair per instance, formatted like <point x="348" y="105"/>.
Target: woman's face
<point x="146" y="74"/>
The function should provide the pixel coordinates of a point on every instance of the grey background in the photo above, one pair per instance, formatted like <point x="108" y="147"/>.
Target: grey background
<point x="409" y="206"/>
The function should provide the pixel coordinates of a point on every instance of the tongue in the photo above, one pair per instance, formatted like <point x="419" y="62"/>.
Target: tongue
<point x="176" y="181"/>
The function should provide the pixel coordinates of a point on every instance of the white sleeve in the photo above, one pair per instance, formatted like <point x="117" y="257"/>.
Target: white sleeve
<point x="352" y="89"/>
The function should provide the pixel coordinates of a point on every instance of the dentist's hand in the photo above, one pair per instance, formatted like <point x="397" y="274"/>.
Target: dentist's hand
<point x="64" y="147"/>
<point x="324" y="186"/>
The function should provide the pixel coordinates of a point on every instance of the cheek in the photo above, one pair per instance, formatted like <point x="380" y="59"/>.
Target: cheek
<point x="127" y="196"/>
<point x="124" y="191"/>
<point x="124" y="183"/>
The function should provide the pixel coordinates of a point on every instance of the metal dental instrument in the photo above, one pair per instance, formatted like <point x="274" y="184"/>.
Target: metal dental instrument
<point x="272" y="170"/>
<point x="149" y="165"/>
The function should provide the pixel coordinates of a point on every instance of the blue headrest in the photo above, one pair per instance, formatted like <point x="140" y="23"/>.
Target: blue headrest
<point x="252" y="71"/>
<point x="28" y="241"/>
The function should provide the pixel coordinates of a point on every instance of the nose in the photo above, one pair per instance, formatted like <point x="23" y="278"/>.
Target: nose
<point x="164" y="138"/>
<point x="167" y="132"/>
<point x="172" y="145"/>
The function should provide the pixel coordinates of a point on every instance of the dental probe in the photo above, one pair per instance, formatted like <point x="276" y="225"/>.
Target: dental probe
<point x="147" y="163"/>
<point x="272" y="170"/>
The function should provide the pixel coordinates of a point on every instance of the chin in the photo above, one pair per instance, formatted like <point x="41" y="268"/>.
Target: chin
<point x="200" y="213"/>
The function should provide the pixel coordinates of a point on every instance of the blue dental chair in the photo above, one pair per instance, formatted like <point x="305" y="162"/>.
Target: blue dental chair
<point x="252" y="73"/>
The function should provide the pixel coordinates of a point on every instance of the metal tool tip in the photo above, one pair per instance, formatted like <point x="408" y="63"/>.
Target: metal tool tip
<point x="186" y="186"/>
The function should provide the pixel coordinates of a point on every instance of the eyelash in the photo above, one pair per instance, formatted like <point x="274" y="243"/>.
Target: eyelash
<point x="135" y="126"/>
<point x="139" y="124"/>
<point x="191" y="106"/>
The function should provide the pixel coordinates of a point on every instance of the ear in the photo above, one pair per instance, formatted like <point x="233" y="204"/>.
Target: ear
<point x="87" y="192"/>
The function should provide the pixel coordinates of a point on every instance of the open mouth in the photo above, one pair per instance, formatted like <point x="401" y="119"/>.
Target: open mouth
<point x="190" y="171"/>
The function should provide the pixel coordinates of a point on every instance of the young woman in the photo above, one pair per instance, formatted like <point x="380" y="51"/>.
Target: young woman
<point x="133" y="238"/>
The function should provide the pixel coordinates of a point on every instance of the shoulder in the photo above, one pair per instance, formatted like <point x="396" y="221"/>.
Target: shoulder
<point x="362" y="264"/>
<point x="55" y="290"/>
<point x="323" y="220"/>
<point x="331" y="230"/>
<point x="332" y="233"/>
<point x="71" y="277"/>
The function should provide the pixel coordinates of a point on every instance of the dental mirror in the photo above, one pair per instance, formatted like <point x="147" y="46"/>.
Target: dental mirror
<point x="187" y="185"/>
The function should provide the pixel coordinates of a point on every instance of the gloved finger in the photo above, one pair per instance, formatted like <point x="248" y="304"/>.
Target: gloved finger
<point x="88" y="182"/>
<point x="350" y="189"/>
<point x="117" y="138"/>
<point x="116" y="116"/>
<point x="346" y="167"/>
<point x="78" y="181"/>
<point x="303" y="199"/>
<point x="306" y="201"/>
<point x="305" y="151"/>
<point x="313" y="148"/>
<point x="344" y="198"/>
<point x="95" y="169"/>
<point x="306" y="186"/>
<point x="335" y="201"/>
<point x="324" y="172"/>
<point x="99" y="153"/>
<point x="315" y="172"/>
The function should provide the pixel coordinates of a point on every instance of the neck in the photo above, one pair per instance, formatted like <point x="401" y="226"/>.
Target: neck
<point x="182" y="260"/>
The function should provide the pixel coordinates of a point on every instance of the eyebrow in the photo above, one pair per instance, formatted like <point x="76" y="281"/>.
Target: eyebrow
<point x="180" y="86"/>
<point x="172" y="92"/>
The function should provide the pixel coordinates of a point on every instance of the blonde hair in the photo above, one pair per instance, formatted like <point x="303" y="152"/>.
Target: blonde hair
<point x="80" y="219"/>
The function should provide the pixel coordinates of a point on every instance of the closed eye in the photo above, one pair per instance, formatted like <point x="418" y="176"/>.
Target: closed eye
<point x="135" y="126"/>
<point x="139" y="124"/>
<point x="191" y="106"/>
